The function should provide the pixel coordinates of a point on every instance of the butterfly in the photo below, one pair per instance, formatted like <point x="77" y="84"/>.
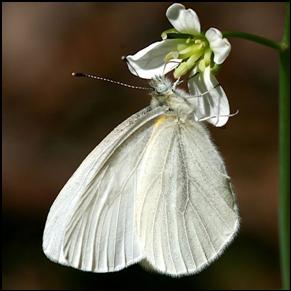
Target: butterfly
<point x="155" y="191"/>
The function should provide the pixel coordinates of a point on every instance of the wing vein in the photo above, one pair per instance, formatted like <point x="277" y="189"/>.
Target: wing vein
<point x="185" y="174"/>
<point x="102" y="219"/>
<point x="205" y="230"/>
<point x="202" y="134"/>
<point x="161" y="194"/>
<point x="166" y="216"/>
<point x="145" y="197"/>
<point x="210" y="203"/>
<point x="202" y="169"/>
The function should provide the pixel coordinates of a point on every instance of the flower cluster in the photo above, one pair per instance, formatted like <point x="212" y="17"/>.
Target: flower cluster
<point x="186" y="50"/>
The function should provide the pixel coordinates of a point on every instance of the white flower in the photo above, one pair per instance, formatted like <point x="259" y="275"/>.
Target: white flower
<point x="220" y="46"/>
<point x="185" y="49"/>
<point x="213" y="101"/>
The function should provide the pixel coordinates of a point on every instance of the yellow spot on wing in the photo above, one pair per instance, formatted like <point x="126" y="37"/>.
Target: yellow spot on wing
<point x="163" y="118"/>
<point x="160" y="120"/>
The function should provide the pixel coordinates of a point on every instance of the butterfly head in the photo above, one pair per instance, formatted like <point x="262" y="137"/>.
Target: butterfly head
<point x="161" y="86"/>
<point x="166" y="94"/>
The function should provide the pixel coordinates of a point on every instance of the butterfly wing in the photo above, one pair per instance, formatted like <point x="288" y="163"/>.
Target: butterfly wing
<point x="187" y="212"/>
<point x="90" y="225"/>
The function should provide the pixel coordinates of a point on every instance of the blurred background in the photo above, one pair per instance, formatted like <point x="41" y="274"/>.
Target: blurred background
<point x="51" y="121"/>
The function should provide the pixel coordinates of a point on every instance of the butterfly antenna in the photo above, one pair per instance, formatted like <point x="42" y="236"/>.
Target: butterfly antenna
<point x="109" y="80"/>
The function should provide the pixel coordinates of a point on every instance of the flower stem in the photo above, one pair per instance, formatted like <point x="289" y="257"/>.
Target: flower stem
<point x="284" y="145"/>
<point x="283" y="48"/>
<point x="255" y="38"/>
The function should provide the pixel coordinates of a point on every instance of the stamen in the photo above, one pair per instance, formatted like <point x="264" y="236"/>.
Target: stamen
<point x="204" y="93"/>
<point x="217" y="116"/>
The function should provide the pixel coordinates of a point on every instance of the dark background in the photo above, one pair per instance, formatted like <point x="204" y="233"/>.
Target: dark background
<point x="51" y="121"/>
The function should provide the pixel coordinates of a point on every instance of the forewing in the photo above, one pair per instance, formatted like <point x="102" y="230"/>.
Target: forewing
<point x="90" y="225"/>
<point x="188" y="212"/>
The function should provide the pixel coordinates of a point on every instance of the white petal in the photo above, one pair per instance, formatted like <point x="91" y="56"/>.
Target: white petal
<point x="185" y="21"/>
<point x="213" y="103"/>
<point x="220" y="46"/>
<point x="150" y="61"/>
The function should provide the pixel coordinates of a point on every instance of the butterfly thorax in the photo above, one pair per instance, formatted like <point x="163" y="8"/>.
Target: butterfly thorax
<point x="165" y="94"/>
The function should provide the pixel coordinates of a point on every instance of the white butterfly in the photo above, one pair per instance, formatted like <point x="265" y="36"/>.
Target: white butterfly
<point x="154" y="191"/>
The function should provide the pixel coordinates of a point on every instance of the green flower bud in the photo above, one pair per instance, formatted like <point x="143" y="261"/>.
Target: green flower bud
<point x="207" y="57"/>
<point x="191" y="51"/>
<point x="181" y="70"/>
<point x="201" y="65"/>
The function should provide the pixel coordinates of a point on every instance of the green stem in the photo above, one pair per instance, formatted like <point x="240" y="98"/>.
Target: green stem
<point x="283" y="48"/>
<point x="255" y="38"/>
<point x="284" y="145"/>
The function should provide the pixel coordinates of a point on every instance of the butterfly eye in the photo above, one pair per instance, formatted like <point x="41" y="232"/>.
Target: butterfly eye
<point x="161" y="88"/>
